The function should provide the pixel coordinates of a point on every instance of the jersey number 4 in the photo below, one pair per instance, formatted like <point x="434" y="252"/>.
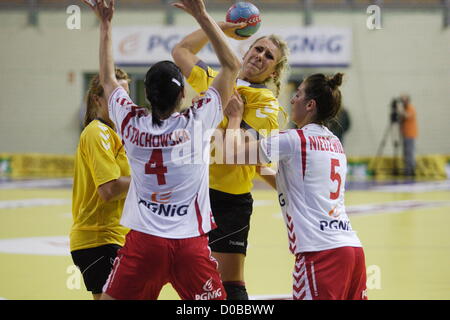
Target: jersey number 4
<point x="156" y="166"/>
<point x="335" y="176"/>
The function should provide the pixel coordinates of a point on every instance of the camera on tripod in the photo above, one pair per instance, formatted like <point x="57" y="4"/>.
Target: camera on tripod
<point x="395" y="115"/>
<point x="392" y="133"/>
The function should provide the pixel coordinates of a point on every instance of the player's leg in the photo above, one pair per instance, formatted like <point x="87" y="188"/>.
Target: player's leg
<point x="323" y="275"/>
<point x="194" y="271"/>
<point x="302" y="286"/>
<point x="95" y="264"/>
<point x="140" y="269"/>
<point x="358" y="288"/>
<point x="408" y="155"/>
<point x="411" y="157"/>
<point x="229" y="241"/>
<point x="231" y="269"/>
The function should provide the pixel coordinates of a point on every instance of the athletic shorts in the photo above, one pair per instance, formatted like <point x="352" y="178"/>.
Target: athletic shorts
<point x="146" y="263"/>
<point x="95" y="264"/>
<point x="232" y="216"/>
<point x="335" y="274"/>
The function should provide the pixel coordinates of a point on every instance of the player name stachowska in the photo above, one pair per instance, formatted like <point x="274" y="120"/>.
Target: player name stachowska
<point x="148" y="140"/>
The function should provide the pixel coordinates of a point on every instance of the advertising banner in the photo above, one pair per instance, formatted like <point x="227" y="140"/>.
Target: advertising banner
<point x="310" y="47"/>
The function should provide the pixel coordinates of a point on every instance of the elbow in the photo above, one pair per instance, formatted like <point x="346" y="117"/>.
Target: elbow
<point x="105" y="191"/>
<point x="236" y="65"/>
<point x="232" y="64"/>
<point x="105" y="195"/>
<point x="179" y="50"/>
<point x="178" y="53"/>
<point x="175" y="51"/>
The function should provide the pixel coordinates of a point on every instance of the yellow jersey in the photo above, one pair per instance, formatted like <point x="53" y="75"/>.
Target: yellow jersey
<point x="261" y="110"/>
<point x="100" y="158"/>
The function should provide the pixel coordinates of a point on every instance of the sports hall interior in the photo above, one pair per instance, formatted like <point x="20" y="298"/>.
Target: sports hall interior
<point x="385" y="48"/>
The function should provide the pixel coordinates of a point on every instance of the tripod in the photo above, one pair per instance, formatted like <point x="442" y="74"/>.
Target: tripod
<point x="392" y="131"/>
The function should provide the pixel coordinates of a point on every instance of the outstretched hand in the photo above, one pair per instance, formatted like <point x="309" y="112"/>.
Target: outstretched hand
<point x="103" y="9"/>
<point x="229" y="28"/>
<point x="193" y="7"/>
<point x="197" y="7"/>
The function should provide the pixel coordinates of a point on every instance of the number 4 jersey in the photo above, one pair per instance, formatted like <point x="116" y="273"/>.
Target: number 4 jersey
<point x="310" y="182"/>
<point x="169" y="192"/>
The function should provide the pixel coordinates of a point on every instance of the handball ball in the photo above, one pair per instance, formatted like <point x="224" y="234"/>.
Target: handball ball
<point x="245" y="12"/>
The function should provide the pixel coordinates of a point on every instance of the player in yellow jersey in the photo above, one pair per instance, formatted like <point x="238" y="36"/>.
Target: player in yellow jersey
<point x="230" y="185"/>
<point x="101" y="181"/>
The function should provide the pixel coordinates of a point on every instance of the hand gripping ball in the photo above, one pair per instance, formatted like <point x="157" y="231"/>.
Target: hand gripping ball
<point x="245" y="12"/>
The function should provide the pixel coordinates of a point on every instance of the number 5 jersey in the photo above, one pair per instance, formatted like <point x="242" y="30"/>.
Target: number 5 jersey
<point x="310" y="182"/>
<point x="169" y="191"/>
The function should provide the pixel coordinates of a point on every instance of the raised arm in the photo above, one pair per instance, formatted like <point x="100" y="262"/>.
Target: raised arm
<point x="184" y="53"/>
<point x="224" y="81"/>
<point x="104" y="10"/>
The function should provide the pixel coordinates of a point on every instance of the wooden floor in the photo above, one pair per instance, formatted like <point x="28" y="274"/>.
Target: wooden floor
<point x="404" y="228"/>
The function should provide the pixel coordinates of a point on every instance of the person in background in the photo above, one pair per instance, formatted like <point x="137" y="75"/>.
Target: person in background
<point x="100" y="185"/>
<point x="409" y="132"/>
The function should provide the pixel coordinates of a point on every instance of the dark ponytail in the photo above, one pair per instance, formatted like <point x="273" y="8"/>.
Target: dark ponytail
<point x="335" y="81"/>
<point x="163" y="85"/>
<point x="325" y="91"/>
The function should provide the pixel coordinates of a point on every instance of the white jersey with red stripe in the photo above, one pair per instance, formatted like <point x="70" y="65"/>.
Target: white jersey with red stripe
<point x="311" y="181"/>
<point x="169" y="190"/>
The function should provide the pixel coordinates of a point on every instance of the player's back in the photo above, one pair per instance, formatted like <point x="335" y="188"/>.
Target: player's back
<point x="311" y="183"/>
<point x="165" y="159"/>
<point x="325" y="169"/>
<point x="168" y="194"/>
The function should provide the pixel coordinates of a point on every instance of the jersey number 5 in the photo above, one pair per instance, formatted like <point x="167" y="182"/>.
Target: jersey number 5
<point x="334" y="176"/>
<point x="156" y="166"/>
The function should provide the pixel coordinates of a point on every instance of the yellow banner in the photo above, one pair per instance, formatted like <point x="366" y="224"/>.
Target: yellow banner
<point x="36" y="165"/>
<point x="431" y="166"/>
<point x="61" y="166"/>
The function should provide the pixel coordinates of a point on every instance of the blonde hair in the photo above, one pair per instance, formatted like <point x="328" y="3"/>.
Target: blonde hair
<point x="95" y="89"/>
<point x="282" y="64"/>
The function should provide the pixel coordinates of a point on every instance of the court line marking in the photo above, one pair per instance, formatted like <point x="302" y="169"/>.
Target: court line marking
<point x="394" y="207"/>
<point x="271" y="297"/>
<point x="35" y="202"/>
<point x="387" y="207"/>
<point x="45" y="246"/>
<point x="415" y="187"/>
<point x="39" y="202"/>
<point x="38" y="183"/>
<point x="263" y="203"/>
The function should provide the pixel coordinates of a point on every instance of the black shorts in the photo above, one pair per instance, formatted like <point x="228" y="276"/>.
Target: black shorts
<point x="95" y="264"/>
<point x="232" y="215"/>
